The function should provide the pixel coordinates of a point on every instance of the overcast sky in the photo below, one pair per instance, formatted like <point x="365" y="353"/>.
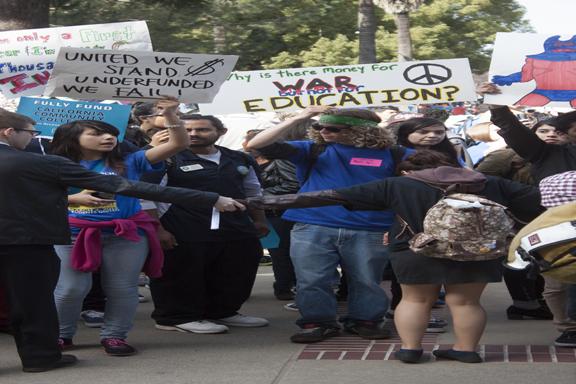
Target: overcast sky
<point x="551" y="16"/>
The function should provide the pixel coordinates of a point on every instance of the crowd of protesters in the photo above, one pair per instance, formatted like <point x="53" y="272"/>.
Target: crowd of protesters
<point x="72" y="224"/>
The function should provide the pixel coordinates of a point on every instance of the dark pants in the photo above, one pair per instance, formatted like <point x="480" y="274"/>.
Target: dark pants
<point x="29" y="274"/>
<point x="4" y="321"/>
<point x="205" y="280"/>
<point x="284" y="276"/>
<point x="95" y="300"/>
<point x="520" y="287"/>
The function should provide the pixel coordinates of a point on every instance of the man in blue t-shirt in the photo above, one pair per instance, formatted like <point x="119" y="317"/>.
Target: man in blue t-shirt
<point x="347" y="148"/>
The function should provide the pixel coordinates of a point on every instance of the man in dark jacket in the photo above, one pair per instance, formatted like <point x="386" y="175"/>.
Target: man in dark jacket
<point x="34" y="217"/>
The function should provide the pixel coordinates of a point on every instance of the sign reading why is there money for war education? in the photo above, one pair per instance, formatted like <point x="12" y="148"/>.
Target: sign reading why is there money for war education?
<point x="418" y="82"/>
<point x="27" y="56"/>
<point x="129" y="75"/>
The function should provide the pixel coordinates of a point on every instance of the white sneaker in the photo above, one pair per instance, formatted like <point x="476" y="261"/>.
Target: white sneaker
<point x="291" y="307"/>
<point x="200" y="326"/>
<point x="240" y="320"/>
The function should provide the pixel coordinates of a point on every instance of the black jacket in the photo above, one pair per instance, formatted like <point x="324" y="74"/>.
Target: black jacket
<point x="546" y="159"/>
<point x="278" y="177"/>
<point x="34" y="197"/>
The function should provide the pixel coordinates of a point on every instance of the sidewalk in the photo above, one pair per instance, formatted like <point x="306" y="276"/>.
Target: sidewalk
<point x="265" y="355"/>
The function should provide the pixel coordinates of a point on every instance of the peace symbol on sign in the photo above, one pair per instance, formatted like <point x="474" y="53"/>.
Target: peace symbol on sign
<point x="427" y="74"/>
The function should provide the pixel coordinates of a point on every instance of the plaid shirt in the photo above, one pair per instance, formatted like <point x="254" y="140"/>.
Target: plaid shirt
<point x="558" y="189"/>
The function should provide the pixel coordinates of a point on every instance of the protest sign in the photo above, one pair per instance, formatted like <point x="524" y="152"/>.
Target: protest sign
<point x="27" y="56"/>
<point x="534" y="70"/>
<point x="434" y="81"/>
<point x="50" y="113"/>
<point x="130" y="75"/>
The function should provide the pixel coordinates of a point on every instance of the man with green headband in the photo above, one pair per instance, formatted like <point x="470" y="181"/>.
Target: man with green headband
<point x="347" y="148"/>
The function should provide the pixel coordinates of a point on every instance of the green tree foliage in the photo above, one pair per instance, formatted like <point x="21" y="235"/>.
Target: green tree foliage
<point x="294" y="33"/>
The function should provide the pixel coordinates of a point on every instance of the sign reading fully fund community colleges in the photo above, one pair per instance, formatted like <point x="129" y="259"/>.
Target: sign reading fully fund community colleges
<point x="27" y="56"/>
<point x="421" y="82"/>
<point x="50" y="113"/>
<point x="129" y="75"/>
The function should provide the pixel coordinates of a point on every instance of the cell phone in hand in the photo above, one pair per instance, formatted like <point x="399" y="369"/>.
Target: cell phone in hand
<point x="104" y="195"/>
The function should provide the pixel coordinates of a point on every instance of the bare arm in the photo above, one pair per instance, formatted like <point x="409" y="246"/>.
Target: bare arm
<point x="178" y="138"/>
<point x="272" y="135"/>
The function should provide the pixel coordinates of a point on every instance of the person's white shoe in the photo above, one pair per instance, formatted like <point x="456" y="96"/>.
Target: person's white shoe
<point x="200" y="326"/>
<point x="240" y="320"/>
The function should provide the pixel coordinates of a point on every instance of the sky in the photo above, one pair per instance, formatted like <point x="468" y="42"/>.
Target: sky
<point x="551" y="16"/>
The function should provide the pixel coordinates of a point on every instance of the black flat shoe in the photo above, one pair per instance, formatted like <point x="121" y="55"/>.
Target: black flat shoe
<point x="462" y="356"/>
<point x="65" y="361"/>
<point x="410" y="356"/>
<point x="515" y="313"/>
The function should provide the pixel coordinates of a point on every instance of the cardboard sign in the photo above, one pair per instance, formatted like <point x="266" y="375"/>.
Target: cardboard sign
<point x="50" y="113"/>
<point x="435" y="81"/>
<point x="534" y="70"/>
<point x="27" y="56"/>
<point x="130" y="75"/>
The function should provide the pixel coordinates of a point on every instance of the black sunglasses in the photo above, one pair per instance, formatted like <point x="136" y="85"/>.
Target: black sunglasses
<point x="329" y="128"/>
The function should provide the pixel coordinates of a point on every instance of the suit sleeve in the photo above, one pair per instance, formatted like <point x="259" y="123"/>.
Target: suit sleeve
<point x="74" y="175"/>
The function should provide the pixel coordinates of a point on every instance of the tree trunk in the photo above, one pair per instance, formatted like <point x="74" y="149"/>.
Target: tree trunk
<point x="404" y="40"/>
<point x="219" y="38"/>
<point x="24" y="14"/>
<point x="367" y="32"/>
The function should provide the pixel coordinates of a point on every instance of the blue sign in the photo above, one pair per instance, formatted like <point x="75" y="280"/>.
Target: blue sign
<point x="51" y="113"/>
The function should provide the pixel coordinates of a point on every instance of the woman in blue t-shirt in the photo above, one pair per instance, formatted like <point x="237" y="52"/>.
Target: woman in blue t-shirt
<point x="109" y="232"/>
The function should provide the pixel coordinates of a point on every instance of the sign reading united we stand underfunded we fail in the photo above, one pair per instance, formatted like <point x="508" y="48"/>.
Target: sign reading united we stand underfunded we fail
<point x="417" y="82"/>
<point x="130" y="75"/>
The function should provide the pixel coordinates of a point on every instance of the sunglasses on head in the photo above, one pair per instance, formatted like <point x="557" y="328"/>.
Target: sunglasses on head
<point x="329" y="128"/>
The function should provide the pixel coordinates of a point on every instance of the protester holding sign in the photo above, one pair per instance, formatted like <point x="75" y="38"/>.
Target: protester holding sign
<point x="28" y="265"/>
<point x="93" y="216"/>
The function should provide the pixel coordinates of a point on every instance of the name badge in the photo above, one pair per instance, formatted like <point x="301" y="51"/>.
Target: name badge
<point x="365" y="162"/>
<point x="190" y="168"/>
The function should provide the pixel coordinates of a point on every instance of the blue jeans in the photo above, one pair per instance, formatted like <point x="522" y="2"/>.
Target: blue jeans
<point x="122" y="261"/>
<point x="316" y="252"/>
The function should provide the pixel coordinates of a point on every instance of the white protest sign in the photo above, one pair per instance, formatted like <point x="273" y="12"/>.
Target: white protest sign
<point x="130" y="75"/>
<point x="27" y="56"/>
<point x="433" y="81"/>
<point x="534" y="70"/>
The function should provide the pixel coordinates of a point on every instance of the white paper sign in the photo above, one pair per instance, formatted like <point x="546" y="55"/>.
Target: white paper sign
<point x="417" y="82"/>
<point x="131" y="75"/>
<point x="534" y="70"/>
<point x="27" y="56"/>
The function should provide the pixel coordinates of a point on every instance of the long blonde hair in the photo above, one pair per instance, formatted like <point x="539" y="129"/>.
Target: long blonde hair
<point x="358" y="136"/>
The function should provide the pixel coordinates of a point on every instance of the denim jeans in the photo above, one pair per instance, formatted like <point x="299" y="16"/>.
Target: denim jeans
<point x="122" y="261"/>
<point x="316" y="252"/>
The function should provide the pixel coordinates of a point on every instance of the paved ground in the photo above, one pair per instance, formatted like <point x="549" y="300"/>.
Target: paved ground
<point x="518" y="352"/>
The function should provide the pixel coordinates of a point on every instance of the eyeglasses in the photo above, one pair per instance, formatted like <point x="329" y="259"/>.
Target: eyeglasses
<point x="329" y="128"/>
<point x="33" y="132"/>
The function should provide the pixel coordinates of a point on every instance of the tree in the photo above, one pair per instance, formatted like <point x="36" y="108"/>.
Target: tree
<point x="366" y="32"/>
<point x="401" y="9"/>
<point x="23" y="14"/>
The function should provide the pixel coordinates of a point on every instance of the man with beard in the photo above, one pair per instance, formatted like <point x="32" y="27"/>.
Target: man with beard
<point x="211" y="262"/>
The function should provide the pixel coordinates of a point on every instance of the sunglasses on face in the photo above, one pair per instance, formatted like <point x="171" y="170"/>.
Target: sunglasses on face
<point x="329" y="128"/>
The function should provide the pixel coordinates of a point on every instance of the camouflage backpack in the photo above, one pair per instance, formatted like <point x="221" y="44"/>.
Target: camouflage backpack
<point x="464" y="227"/>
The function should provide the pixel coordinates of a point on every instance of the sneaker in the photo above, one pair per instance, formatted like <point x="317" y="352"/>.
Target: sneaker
<point x="284" y="296"/>
<point x="143" y="280"/>
<point x="566" y="339"/>
<point x="117" y="347"/>
<point x="312" y="333"/>
<point x="291" y="307"/>
<point x="240" y="320"/>
<point x="265" y="261"/>
<point x="371" y="330"/>
<point x="64" y="343"/>
<point x="515" y="313"/>
<point x="142" y="298"/>
<point x="92" y="319"/>
<point x="436" y="325"/>
<point x="200" y="326"/>
<point x="65" y="361"/>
